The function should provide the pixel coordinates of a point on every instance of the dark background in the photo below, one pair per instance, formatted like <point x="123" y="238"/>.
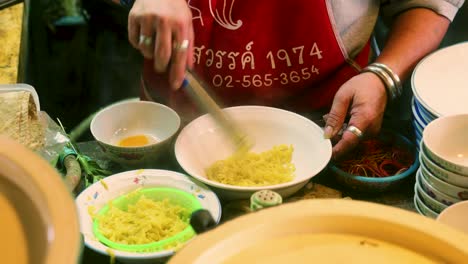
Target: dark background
<point x="77" y="69"/>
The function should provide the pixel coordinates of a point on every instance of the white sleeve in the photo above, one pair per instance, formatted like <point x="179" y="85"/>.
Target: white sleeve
<point x="447" y="8"/>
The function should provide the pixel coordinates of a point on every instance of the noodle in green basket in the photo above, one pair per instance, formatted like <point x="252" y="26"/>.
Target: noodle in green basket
<point x="146" y="221"/>
<point x="251" y="169"/>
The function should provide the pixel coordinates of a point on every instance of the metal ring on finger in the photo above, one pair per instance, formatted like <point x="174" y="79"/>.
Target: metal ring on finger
<point x="356" y="131"/>
<point x="182" y="46"/>
<point x="145" y="40"/>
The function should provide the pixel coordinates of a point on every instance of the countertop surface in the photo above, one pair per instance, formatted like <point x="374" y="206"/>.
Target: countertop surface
<point x="10" y="39"/>
<point x="400" y="198"/>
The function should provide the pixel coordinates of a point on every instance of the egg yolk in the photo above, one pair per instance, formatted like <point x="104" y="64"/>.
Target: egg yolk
<point x="134" y="141"/>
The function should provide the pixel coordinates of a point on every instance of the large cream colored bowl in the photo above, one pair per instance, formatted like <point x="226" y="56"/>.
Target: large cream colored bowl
<point x="446" y="142"/>
<point x="38" y="218"/>
<point x="328" y="231"/>
<point x="202" y="142"/>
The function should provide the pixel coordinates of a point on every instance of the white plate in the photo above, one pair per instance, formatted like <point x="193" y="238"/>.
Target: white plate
<point x="439" y="81"/>
<point x="98" y="195"/>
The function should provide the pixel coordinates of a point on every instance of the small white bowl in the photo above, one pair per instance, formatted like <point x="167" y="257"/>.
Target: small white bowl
<point x="434" y="192"/>
<point x="429" y="201"/>
<point x="441" y="173"/>
<point x="131" y="118"/>
<point x="100" y="193"/>
<point x="447" y="188"/>
<point x="446" y="142"/>
<point x="202" y="142"/>
<point x="456" y="216"/>
<point x="422" y="208"/>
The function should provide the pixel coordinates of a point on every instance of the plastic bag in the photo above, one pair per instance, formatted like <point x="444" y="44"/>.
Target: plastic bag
<point x="55" y="140"/>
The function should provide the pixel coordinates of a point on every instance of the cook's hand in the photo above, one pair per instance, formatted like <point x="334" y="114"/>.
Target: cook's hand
<point x="162" y="30"/>
<point x="364" y="98"/>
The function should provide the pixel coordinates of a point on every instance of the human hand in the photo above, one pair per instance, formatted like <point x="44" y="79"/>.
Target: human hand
<point x="364" y="97"/>
<point x="162" y="30"/>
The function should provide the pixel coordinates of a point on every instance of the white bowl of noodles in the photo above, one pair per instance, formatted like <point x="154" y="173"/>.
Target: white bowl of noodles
<point x="202" y="142"/>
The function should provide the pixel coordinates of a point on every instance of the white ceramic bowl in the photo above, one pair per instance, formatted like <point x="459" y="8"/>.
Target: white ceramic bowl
<point x="446" y="142"/>
<point x="202" y="142"/>
<point x="422" y="208"/>
<point x="434" y="192"/>
<point x="132" y="118"/>
<point x="440" y="172"/>
<point x="429" y="201"/>
<point x="442" y="92"/>
<point x="456" y="216"/>
<point x="444" y="187"/>
<point x="99" y="194"/>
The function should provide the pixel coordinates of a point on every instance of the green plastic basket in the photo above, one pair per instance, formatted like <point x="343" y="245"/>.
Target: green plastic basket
<point x="175" y="196"/>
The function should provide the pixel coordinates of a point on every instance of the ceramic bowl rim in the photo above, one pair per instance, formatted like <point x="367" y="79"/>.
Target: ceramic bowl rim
<point x="442" y="182"/>
<point x="424" y="111"/>
<point x="436" y="190"/>
<point x="420" y="189"/>
<point x="420" y="201"/>
<point x="439" y="167"/>
<point x="418" y="116"/>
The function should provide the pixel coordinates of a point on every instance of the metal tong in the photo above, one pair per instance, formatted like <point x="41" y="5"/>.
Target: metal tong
<point x="203" y="100"/>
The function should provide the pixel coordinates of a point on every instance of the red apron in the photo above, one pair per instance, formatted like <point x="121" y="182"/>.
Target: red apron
<point x="265" y="52"/>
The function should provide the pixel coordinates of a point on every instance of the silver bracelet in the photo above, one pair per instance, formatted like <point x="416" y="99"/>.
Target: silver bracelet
<point x="392" y="74"/>
<point x="386" y="79"/>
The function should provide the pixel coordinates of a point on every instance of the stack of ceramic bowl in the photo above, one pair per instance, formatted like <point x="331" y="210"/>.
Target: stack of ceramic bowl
<point x="442" y="178"/>
<point x="421" y="117"/>
<point x="439" y="86"/>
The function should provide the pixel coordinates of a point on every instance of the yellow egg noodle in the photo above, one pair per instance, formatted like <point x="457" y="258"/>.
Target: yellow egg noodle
<point x="251" y="169"/>
<point x="146" y="221"/>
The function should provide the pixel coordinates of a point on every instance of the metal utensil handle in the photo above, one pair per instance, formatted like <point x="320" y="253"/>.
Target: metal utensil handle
<point x="204" y="101"/>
